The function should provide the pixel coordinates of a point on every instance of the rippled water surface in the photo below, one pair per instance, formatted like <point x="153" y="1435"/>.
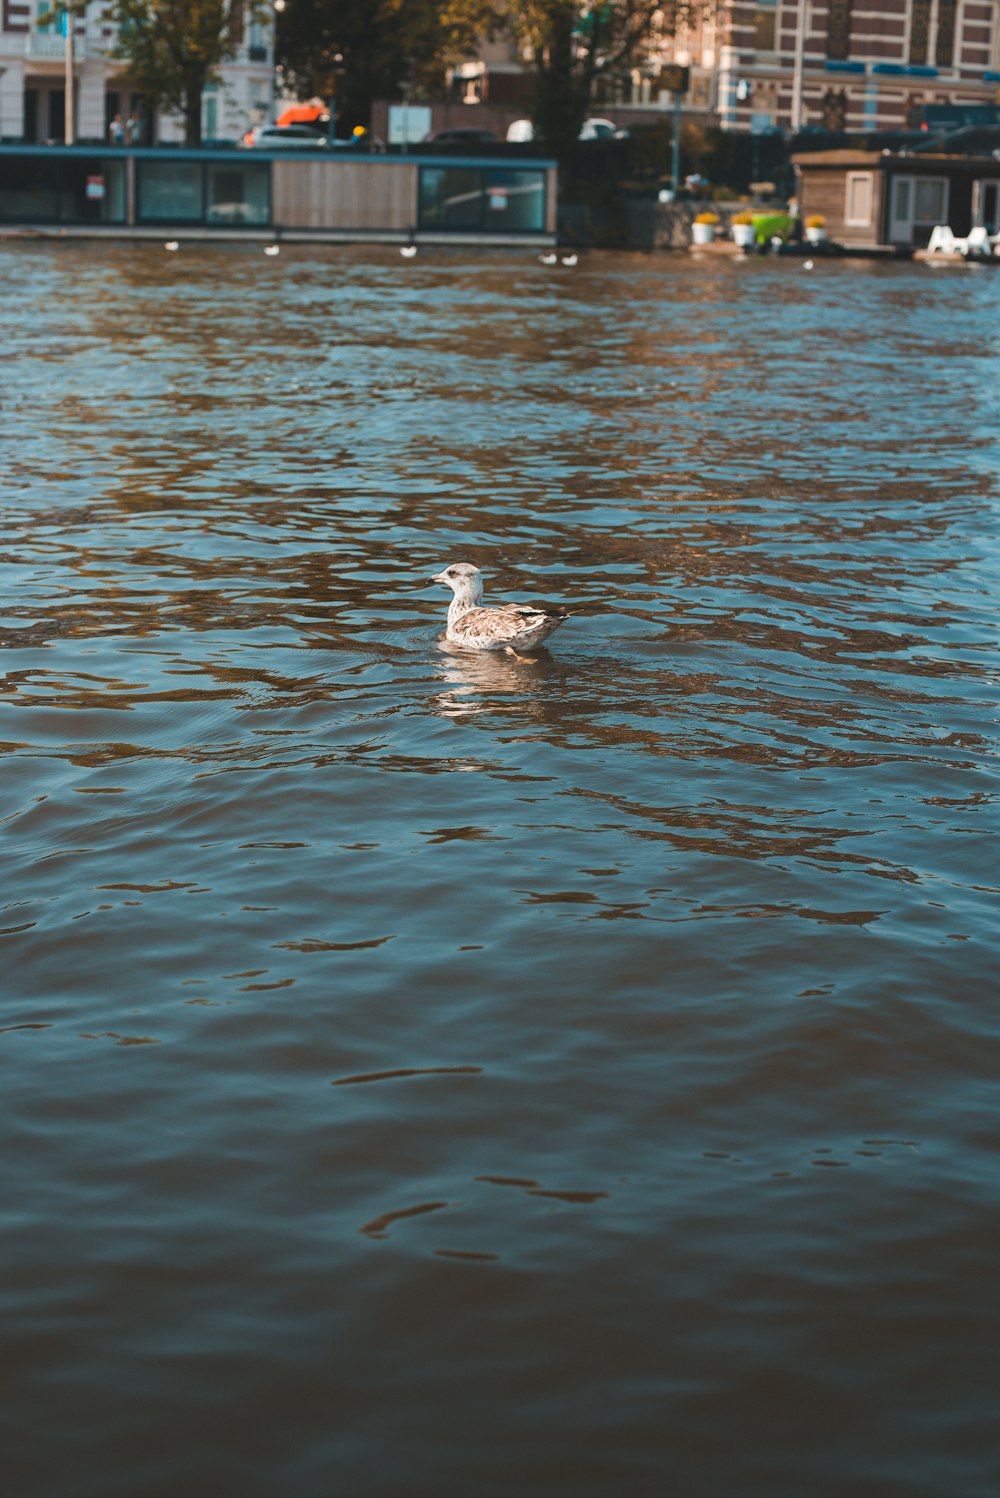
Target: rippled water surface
<point x="431" y="1075"/>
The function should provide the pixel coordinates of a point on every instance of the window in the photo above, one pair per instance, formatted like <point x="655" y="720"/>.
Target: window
<point x="257" y="49"/>
<point x="209" y="113"/>
<point x="73" y="191"/>
<point x="478" y="198"/>
<point x="930" y="200"/>
<point x="944" y="50"/>
<point x="920" y="16"/>
<point x="170" y="192"/>
<point x="838" y="30"/>
<point x="986" y="204"/>
<point x="93" y="191"/>
<point x="858" y="204"/>
<point x="29" y="190"/>
<point x="239" y="194"/>
<point x="764" y="25"/>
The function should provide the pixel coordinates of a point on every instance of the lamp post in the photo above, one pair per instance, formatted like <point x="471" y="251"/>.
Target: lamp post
<point x="800" y="47"/>
<point x="406" y="89"/>
<point x="338" y="59"/>
<point x="69" y="23"/>
<point x="277" y="6"/>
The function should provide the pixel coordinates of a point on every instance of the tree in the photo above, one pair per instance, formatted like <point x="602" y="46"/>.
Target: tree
<point x="576" y="47"/>
<point x="173" y="49"/>
<point x="362" y="50"/>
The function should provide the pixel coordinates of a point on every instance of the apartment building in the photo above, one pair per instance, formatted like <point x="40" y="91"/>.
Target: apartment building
<point x="854" y="65"/>
<point x="35" y="66"/>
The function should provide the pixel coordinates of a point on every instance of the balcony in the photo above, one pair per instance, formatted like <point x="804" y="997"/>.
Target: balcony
<point x="50" y="46"/>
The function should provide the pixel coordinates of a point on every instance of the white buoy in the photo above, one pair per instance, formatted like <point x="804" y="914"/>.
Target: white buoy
<point x="272" y="249"/>
<point x="408" y="251"/>
<point x="569" y="259"/>
<point x="548" y="259"/>
<point x="172" y="244"/>
<point x="808" y="265"/>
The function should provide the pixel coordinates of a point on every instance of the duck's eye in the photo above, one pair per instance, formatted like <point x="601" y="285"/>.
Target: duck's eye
<point x="450" y="572"/>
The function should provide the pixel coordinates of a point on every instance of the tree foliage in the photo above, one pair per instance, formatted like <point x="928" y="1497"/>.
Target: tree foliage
<point x="173" y="49"/>
<point x="580" y="47"/>
<point x="362" y="50"/>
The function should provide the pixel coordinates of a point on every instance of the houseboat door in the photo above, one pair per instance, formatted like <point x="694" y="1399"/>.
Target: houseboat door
<point x="916" y="205"/>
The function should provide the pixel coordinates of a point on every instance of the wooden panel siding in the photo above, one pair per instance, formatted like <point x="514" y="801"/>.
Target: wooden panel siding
<point x="345" y="195"/>
<point x="822" y="190"/>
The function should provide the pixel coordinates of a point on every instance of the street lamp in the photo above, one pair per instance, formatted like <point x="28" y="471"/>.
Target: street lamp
<point x="69" y="27"/>
<point x="800" y="46"/>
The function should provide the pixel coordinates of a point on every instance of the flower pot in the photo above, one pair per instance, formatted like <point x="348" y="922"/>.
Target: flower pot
<point x="702" y="233"/>
<point x="743" y="235"/>
<point x="815" y="235"/>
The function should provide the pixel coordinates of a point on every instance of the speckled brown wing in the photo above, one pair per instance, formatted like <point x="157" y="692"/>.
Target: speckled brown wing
<point x="511" y="625"/>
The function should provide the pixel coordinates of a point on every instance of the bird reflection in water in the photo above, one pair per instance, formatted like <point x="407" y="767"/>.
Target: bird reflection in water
<point x="484" y="674"/>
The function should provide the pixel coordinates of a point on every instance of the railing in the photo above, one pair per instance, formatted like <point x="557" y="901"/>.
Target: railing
<point x="51" y="46"/>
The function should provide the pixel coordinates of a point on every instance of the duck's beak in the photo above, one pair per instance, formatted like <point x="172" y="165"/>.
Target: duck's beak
<point x="439" y="577"/>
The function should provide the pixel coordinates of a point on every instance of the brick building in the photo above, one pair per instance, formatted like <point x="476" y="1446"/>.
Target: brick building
<point x="854" y="64"/>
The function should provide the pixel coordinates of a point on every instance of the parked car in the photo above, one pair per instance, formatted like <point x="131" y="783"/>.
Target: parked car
<point x="602" y="130"/>
<point x="523" y="131"/>
<point x="278" y="137"/>
<point x="462" y="137"/>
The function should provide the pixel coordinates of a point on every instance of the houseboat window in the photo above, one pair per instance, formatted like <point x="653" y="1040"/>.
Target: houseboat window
<point x="858" y="207"/>
<point x="29" y="190"/>
<point x="239" y="194"/>
<point x="920" y="17"/>
<point x="170" y="191"/>
<point x="764" y="25"/>
<point x="451" y="197"/>
<point x="944" y="50"/>
<point x="838" y="30"/>
<point x="482" y="198"/>
<point x="930" y="200"/>
<point x="902" y="200"/>
<point x="93" y="192"/>
<point x="986" y="204"/>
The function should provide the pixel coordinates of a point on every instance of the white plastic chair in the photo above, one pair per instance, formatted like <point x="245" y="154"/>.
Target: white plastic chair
<point x="943" y="242"/>
<point x="978" y="242"/>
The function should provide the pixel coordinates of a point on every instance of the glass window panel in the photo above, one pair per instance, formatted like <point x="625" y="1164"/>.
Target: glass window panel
<point x="28" y="190"/>
<point x="170" y="191"/>
<point x="764" y="25"/>
<point x="485" y="198"/>
<point x="928" y="201"/>
<point x="988" y="204"/>
<point x="451" y="197"/>
<point x="515" y="200"/>
<point x="838" y="30"/>
<point x="944" y="50"/>
<point x="239" y="194"/>
<point x="902" y="198"/>
<point x="920" y="17"/>
<point x="93" y="191"/>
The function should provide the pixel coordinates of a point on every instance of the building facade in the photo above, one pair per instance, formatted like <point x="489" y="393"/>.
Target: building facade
<point x="763" y="65"/>
<point x="35" y="68"/>
<point x="855" y="65"/>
